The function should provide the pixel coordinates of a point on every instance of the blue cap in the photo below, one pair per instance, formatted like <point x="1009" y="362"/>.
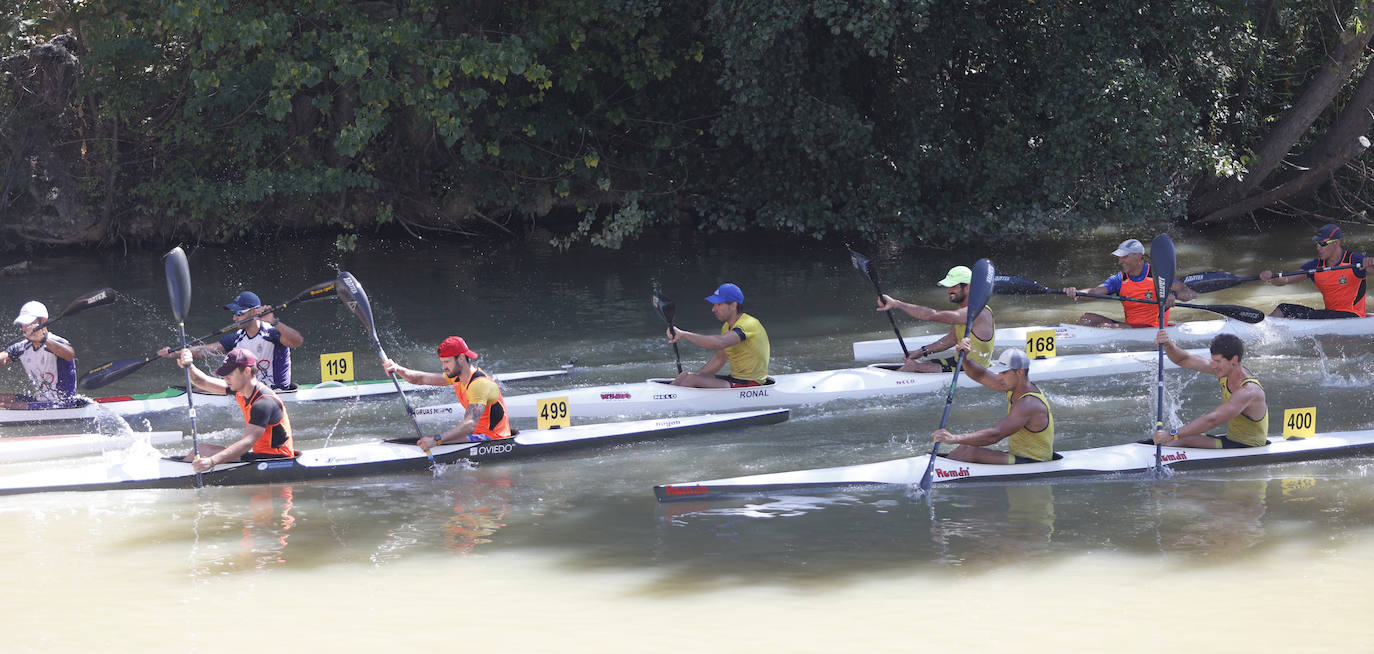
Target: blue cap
<point x="726" y="293"/>
<point x="245" y="301"/>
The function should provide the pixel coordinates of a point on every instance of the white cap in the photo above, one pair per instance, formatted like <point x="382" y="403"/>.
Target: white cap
<point x="31" y="311"/>
<point x="1014" y="359"/>
<point x="1128" y="246"/>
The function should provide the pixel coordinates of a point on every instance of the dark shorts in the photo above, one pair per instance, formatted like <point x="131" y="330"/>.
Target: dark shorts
<point x="739" y="383"/>
<point x="1301" y="312"/>
<point x="1228" y="444"/>
<point x="258" y="456"/>
<point x="946" y="364"/>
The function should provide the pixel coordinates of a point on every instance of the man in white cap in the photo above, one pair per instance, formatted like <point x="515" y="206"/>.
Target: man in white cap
<point x="49" y="360"/>
<point x="1342" y="290"/>
<point x="1028" y="427"/>
<point x="956" y="283"/>
<point x="742" y="342"/>
<point x="263" y="334"/>
<point x="1132" y="281"/>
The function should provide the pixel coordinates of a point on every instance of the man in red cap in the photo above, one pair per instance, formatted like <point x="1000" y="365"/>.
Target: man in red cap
<point x="1342" y="290"/>
<point x="266" y="427"/>
<point x="485" y="417"/>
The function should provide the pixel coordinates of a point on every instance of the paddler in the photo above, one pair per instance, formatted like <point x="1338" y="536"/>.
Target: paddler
<point x="485" y="416"/>
<point x="1028" y="427"/>
<point x="1132" y="281"/>
<point x="1342" y="290"/>
<point x="742" y="342"/>
<point x="265" y="335"/>
<point x="1243" y="410"/>
<point x="266" y="427"/>
<point x="49" y="360"/>
<point x="956" y="283"/>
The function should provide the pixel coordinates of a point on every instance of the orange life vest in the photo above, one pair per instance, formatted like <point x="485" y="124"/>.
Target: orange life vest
<point x="276" y="438"/>
<point x="1341" y="289"/>
<point x="1139" y="314"/>
<point x="494" y="423"/>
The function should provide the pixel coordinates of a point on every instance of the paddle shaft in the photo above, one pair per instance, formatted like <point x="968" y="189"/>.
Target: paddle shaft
<point x="927" y="478"/>
<point x="891" y="319"/>
<point x="1216" y="281"/>
<point x="861" y="264"/>
<point x="190" y="405"/>
<point x="1162" y="252"/>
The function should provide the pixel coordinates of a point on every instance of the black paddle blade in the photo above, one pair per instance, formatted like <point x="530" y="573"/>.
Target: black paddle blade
<point x="1206" y="282"/>
<point x="979" y="290"/>
<point x="1243" y="314"/>
<point x="1162" y="262"/>
<point x="665" y="307"/>
<point x="1014" y="285"/>
<point x="100" y="298"/>
<point x="112" y="372"/>
<point x="178" y="282"/>
<point x="862" y="265"/>
<point x="353" y="296"/>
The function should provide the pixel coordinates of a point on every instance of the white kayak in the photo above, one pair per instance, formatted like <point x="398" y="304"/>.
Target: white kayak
<point x="175" y="398"/>
<point x="1113" y="459"/>
<point x="1199" y="331"/>
<point x="14" y="449"/>
<point x="657" y="396"/>
<point x="377" y="457"/>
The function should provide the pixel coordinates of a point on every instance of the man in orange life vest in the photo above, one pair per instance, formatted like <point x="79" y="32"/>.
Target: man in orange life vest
<point x="1135" y="281"/>
<point x="266" y="427"/>
<point x="486" y="416"/>
<point x="1342" y="290"/>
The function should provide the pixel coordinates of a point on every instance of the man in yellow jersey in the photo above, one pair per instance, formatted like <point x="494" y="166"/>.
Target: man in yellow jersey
<point x="1242" y="409"/>
<point x="742" y="342"/>
<point x="1028" y="427"/>
<point x="984" y="327"/>
<point x="485" y="416"/>
<point x="1133" y="281"/>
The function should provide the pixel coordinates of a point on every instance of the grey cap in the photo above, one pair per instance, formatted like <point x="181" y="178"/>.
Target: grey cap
<point x="1128" y="246"/>
<point x="1015" y="359"/>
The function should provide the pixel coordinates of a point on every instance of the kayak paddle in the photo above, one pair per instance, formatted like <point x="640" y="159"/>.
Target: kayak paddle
<point x="1162" y="264"/>
<point x="979" y="290"/>
<point x="668" y="311"/>
<point x="353" y="296"/>
<point x="116" y="370"/>
<point x="103" y="297"/>
<point x="1206" y="282"/>
<point x="1013" y="285"/>
<point x="179" y="291"/>
<point x="865" y="268"/>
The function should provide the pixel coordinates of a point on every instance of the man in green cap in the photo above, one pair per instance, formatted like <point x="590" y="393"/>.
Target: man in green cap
<point x="956" y="284"/>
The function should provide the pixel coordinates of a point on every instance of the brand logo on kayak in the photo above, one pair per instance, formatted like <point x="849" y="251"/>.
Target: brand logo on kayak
<point x="666" y="396"/>
<point x="1174" y="456"/>
<point x="754" y="392"/>
<point x="483" y="450"/>
<point x="433" y="410"/>
<point x="685" y="491"/>
<point x="951" y="474"/>
<point x="275" y="465"/>
<point x="615" y="396"/>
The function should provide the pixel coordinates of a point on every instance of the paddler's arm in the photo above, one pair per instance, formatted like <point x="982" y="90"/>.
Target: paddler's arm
<point x="419" y="377"/>
<point x="1182" y="292"/>
<point x="1017" y="418"/>
<point x="289" y="336"/>
<point x="38" y="335"/>
<point x="708" y="341"/>
<point x="251" y="434"/>
<point x="460" y="432"/>
<point x="922" y="312"/>
<point x="1268" y="276"/>
<point x="1180" y="356"/>
<point x="977" y="372"/>
<point x="1233" y="407"/>
<point x="199" y="379"/>
<point x="1100" y="289"/>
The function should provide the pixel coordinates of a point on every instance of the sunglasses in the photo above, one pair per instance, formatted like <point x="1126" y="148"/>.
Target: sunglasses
<point x="1322" y="244"/>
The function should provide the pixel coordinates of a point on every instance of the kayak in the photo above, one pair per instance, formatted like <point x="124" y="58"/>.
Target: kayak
<point x="657" y="396"/>
<point x="1199" y="331"/>
<point x="14" y="449"/>
<point x="1112" y="459"/>
<point x="380" y="457"/>
<point x="175" y="398"/>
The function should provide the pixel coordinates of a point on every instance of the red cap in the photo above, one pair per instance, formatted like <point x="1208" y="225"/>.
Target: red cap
<point x="454" y="346"/>
<point x="235" y="359"/>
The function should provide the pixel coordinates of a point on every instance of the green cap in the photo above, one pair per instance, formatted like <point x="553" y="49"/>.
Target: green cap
<point x="957" y="275"/>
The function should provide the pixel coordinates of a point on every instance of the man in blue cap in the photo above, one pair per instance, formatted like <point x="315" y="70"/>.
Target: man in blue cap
<point x="742" y="342"/>
<point x="1342" y="289"/>
<point x="262" y="334"/>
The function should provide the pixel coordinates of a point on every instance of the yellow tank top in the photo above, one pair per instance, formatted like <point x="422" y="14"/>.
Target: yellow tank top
<point x="749" y="357"/>
<point x="1038" y="445"/>
<point x="1243" y="429"/>
<point x="982" y="350"/>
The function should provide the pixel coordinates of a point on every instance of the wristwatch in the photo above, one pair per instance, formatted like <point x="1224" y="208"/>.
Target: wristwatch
<point x="438" y="439"/>
<point x="1174" y="433"/>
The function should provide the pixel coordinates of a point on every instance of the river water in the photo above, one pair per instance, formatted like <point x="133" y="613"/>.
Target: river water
<point x="574" y="554"/>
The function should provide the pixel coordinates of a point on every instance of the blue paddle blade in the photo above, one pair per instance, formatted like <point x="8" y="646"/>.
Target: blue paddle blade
<point x="1162" y="262"/>
<point x="353" y="296"/>
<point x="178" y="282"/>
<point x="979" y="290"/>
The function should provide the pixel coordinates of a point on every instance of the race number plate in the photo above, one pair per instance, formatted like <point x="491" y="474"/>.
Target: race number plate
<point x="1300" y="423"/>
<point x="1040" y="344"/>
<point x="336" y="366"/>
<point x="553" y="412"/>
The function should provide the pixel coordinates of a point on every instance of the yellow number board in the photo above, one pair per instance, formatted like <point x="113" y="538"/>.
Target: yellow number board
<point x="553" y="412"/>
<point x="1300" y="423"/>
<point x="336" y="366"/>
<point x="1040" y="344"/>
